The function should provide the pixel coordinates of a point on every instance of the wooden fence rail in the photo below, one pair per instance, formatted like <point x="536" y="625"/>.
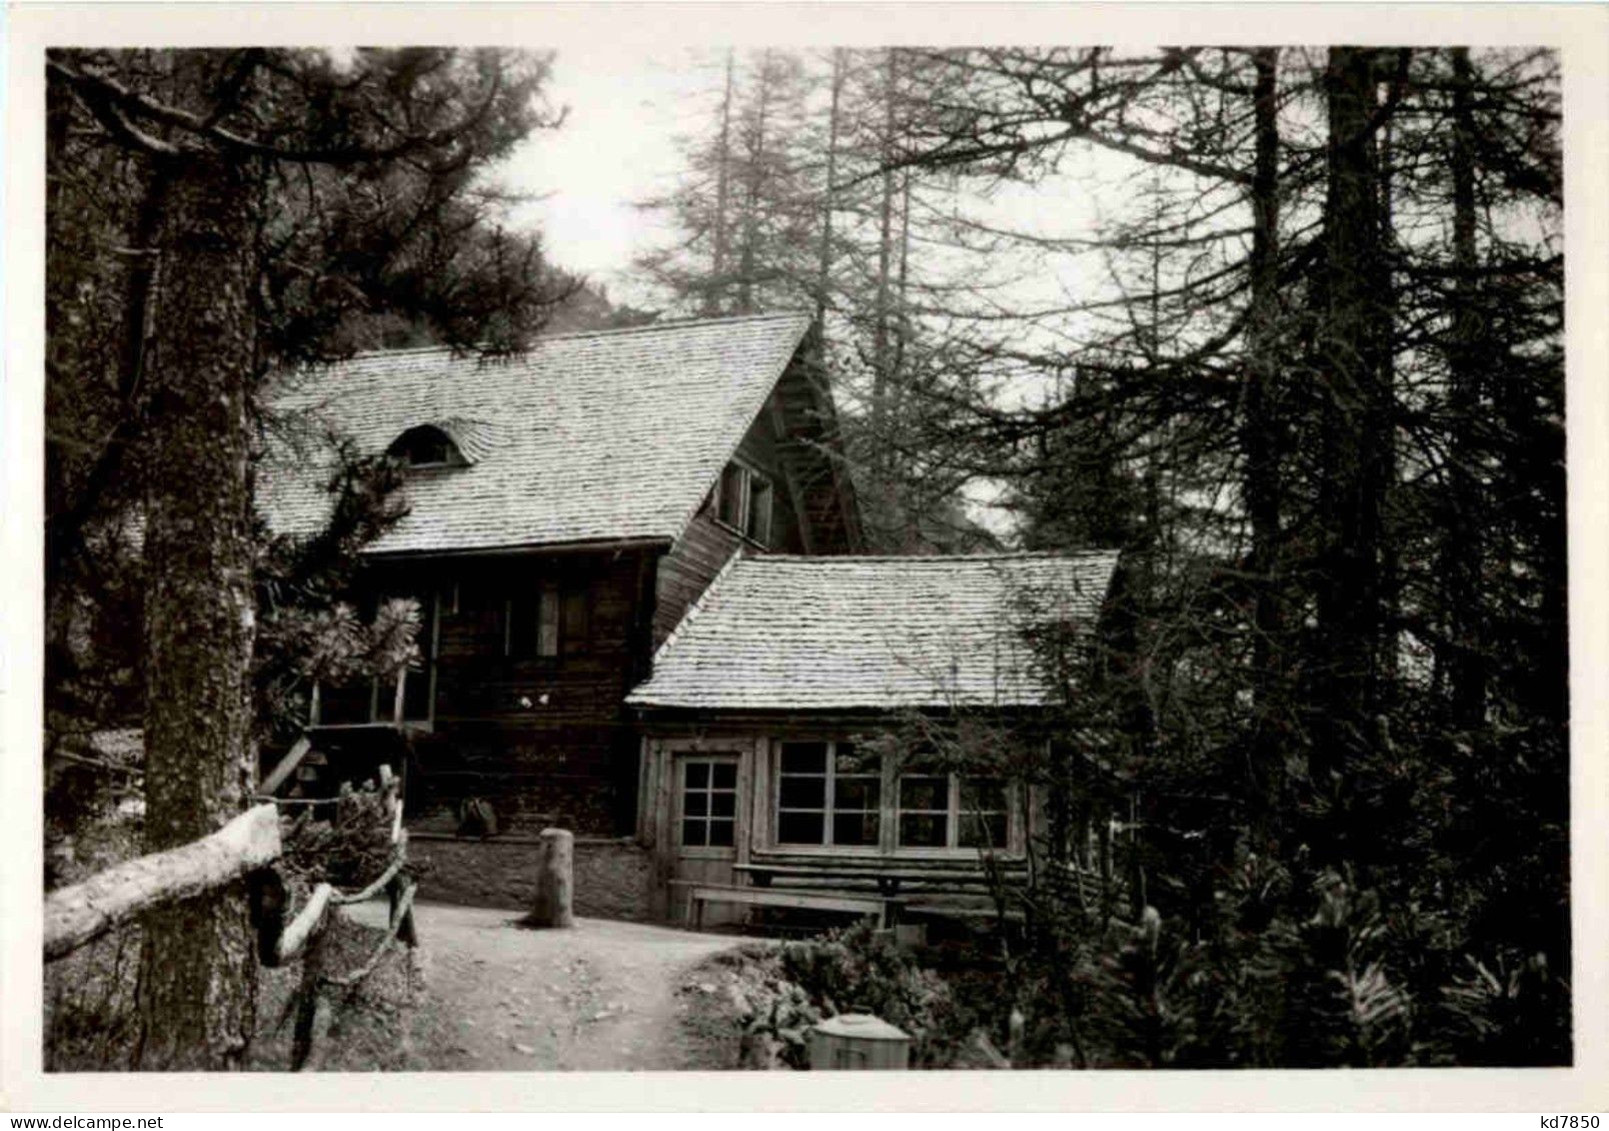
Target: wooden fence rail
<point x="251" y="842"/>
<point x="83" y="912"/>
<point x="249" y="845"/>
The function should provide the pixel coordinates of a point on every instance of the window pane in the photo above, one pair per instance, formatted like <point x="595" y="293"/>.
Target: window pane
<point x="854" y="828"/>
<point x="575" y="621"/>
<point x="985" y="830"/>
<point x="693" y="833"/>
<point x="804" y="757"/>
<point x="923" y="830"/>
<point x="731" y="508"/>
<point x="547" y="639"/>
<point x="696" y="804"/>
<point x="725" y="775"/>
<point x="723" y="804"/>
<point x="849" y="760"/>
<point x="799" y="828"/>
<point x="698" y="775"/>
<point x="857" y="793"/>
<point x="759" y="525"/>
<point x="802" y="793"/>
<point x="925" y="793"/>
<point x="983" y="794"/>
<point x="520" y="630"/>
<point x="720" y="834"/>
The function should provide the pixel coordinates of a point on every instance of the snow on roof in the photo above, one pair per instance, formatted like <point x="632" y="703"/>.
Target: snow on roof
<point x="797" y="633"/>
<point x="603" y="436"/>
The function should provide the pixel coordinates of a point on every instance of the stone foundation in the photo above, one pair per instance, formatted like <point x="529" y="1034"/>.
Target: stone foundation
<point x="612" y="876"/>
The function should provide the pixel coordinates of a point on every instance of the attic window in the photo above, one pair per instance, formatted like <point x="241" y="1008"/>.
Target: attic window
<point x="427" y="446"/>
<point x="743" y="502"/>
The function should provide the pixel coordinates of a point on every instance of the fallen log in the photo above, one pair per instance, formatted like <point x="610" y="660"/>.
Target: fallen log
<point x="83" y="912"/>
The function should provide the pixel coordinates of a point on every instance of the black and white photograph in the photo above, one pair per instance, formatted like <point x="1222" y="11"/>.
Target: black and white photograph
<point x="862" y="549"/>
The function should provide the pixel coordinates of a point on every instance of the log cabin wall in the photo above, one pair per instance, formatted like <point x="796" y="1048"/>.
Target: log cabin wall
<point x="544" y="738"/>
<point x="754" y="739"/>
<point x="707" y="544"/>
<point x="809" y="506"/>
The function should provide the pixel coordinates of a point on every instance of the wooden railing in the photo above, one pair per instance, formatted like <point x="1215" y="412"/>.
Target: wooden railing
<point x="247" y="846"/>
<point x="83" y="912"/>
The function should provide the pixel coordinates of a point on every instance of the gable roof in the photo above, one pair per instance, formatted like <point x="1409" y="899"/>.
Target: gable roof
<point x="607" y="436"/>
<point x="796" y="633"/>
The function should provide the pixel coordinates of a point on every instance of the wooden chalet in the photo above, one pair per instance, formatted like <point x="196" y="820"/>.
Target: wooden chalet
<point x="757" y="788"/>
<point x="566" y="507"/>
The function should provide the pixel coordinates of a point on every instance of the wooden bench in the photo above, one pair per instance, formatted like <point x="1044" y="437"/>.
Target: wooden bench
<point x="888" y="879"/>
<point x="869" y="905"/>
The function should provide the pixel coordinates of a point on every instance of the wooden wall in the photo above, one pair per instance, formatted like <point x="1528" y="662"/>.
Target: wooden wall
<point x="807" y="519"/>
<point x="549" y="741"/>
<point x="546" y="740"/>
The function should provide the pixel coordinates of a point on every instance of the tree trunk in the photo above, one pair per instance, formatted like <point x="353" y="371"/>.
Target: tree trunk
<point x="1352" y="340"/>
<point x="1462" y="551"/>
<point x="828" y="194"/>
<point x="748" y="265"/>
<point x="723" y="164"/>
<point x="1259" y="439"/>
<point x="197" y="987"/>
<point x="881" y="374"/>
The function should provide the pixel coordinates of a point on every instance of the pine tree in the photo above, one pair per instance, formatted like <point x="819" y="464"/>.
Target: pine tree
<point x="376" y="153"/>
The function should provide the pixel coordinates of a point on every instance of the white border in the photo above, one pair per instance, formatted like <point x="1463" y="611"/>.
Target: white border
<point x="1580" y="31"/>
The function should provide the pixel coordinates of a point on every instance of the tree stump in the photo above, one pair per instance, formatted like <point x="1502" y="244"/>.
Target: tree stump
<point x="554" y="881"/>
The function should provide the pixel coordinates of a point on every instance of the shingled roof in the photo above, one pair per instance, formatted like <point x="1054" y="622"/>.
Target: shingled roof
<point x="608" y="436"/>
<point x="796" y="633"/>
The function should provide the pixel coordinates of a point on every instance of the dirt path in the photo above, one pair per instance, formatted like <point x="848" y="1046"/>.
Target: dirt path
<point x="599" y="997"/>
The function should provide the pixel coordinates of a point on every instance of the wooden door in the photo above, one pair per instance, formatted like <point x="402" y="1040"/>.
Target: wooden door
<point x="706" y="826"/>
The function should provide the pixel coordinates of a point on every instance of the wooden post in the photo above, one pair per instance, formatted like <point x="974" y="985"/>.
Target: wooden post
<point x="406" y="931"/>
<point x="307" y="1001"/>
<point x="392" y="787"/>
<point x="307" y="925"/>
<point x="555" y="881"/>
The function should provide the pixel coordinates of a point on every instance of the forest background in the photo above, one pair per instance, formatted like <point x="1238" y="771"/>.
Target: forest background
<point x="1139" y="337"/>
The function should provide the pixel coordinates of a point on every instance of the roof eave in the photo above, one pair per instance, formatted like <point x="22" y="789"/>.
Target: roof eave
<point x="579" y="546"/>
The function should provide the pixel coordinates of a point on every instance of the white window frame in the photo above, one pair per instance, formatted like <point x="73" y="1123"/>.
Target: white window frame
<point x="711" y="759"/>
<point x="746" y="500"/>
<point x="829" y="797"/>
<point x="953" y="814"/>
<point x="889" y="810"/>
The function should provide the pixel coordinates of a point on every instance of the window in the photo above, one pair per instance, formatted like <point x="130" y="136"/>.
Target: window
<point x="372" y="699"/>
<point x="426" y="446"/>
<point x="709" y="803"/>
<point x="830" y="795"/>
<point x="539" y="622"/>
<point x="939" y="810"/>
<point x="743" y="501"/>
<point x="729" y="504"/>
<point x="827" y="795"/>
<point x="573" y="631"/>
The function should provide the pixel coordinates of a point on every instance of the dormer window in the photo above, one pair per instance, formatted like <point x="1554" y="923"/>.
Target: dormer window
<point x="427" y="446"/>
<point x="743" y="502"/>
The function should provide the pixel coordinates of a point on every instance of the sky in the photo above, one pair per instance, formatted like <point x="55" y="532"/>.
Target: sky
<point x="626" y="105"/>
<point x="616" y="147"/>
